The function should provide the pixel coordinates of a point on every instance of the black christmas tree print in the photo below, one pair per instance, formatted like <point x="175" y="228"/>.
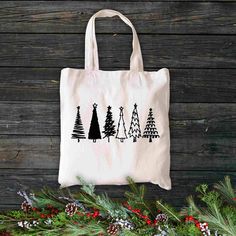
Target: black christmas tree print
<point x="94" y="130"/>
<point x="150" y="129"/>
<point x="109" y="127"/>
<point x="78" y="131"/>
<point x="134" y="130"/>
<point x="121" y="130"/>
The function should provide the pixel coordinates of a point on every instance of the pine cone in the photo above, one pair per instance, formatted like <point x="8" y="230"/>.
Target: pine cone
<point x="25" y="206"/>
<point x="113" y="229"/>
<point x="162" y="218"/>
<point x="71" y="209"/>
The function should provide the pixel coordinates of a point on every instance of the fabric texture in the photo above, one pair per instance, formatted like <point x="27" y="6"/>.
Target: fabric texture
<point x="114" y="124"/>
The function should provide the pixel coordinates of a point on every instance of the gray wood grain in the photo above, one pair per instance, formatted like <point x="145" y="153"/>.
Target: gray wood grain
<point x="149" y="17"/>
<point x="67" y="50"/>
<point x="183" y="184"/>
<point x="187" y="119"/>
<point x="187" y="85"/>
<point x="42" y="152"/>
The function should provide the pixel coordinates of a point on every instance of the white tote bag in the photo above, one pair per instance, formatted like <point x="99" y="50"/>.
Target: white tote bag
<point x="114" y="124"/>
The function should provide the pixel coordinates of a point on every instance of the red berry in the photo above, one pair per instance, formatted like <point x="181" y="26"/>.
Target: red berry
<point x="42" y="216"/>
<point x="148" y="221"/>
<point x="190" y="218"/>
<point x="198" y="225"/>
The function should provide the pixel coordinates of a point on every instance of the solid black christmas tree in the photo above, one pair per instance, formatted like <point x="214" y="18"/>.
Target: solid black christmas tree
<point x="94" y="130"/>
<point x="134" y="130"/>
<point x="109" y="127"/>
<point x="78" y="131"/>
<point x="150" y="129"/>
<point x="121" y="130"/>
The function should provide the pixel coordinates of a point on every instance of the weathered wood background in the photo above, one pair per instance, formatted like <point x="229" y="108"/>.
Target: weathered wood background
<point x="195" y="39"/>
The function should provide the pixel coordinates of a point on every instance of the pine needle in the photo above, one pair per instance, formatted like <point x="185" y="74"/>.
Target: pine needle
<point x="225" y="188"/>
<point x="170" y="212"/>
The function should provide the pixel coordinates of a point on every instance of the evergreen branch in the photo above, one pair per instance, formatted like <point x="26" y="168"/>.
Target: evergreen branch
<point x="192" y="209"/>
<point x="210" y="198"/>
<point x="87" y="188"/>
<point x="170" y="212"/>
<point x="217" y="221"/>
<point x="91" y="229"/>
<point x="137" y="195"/>
<point x="128" y="233"/>
<point x="226" y="190"/>
<point x="50" y="221"/>
<point x="213" y="216"/>
<point x="88" y="200"/>
<point x="47" y="197"/>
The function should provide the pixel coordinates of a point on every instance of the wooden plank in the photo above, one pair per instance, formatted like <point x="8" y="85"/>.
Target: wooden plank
<point x="151" y="17"/>
<point x="187" y="85"/>
<point x="183" y="184"/>
<point x="42" y="152"/>
<point x="187" y="119"/>
<point x="67" y="50"/>
<point x="8" y="207"/>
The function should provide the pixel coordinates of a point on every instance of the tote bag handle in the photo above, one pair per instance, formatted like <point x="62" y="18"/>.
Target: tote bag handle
<point x="91" y="50"/>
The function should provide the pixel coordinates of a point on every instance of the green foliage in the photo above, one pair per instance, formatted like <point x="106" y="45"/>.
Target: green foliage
<point x="61" y="219"/>
<point x="128" y="233"/>
<point x="87" y="188"/>
<point x="217" y="208"/>
<point x="226" y="190"/>
<point x="48" y="196"/>
<point x="91" y="229"/>
<point x="16" y="214"/>
<point x="230" y="211"/>
<point x="170" y="211"/>
<point x="217" y="213"/>
<point x="113" y="209"/>
<point x="187" y="230"/>
<point x="135" y="197"/>
<point x="147" y="231"/>
<point x="211" y="198"/>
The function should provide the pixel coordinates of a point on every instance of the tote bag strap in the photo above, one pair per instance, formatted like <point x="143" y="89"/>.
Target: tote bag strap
<point x="91" y="49"/>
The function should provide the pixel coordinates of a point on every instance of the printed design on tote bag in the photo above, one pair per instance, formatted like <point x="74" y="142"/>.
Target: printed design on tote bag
<point x="94" y="130"/>
<point x="150" y="129"/>
<point x="134" y="130"/>
<point x="109" y="131"/>
<point x="78" y="131"/>
<point x="121" y="130"/>
<point x="109" y="127"/>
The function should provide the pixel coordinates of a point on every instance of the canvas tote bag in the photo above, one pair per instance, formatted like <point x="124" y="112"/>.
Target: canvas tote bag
<point x="114" y="124"/>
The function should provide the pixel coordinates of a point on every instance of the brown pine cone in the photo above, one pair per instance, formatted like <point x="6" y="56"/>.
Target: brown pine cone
<point x="71" y="209"/>
<point x="113" y="229"/>
<point x="25" y="206"/>
<point x="162" y="217"/>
